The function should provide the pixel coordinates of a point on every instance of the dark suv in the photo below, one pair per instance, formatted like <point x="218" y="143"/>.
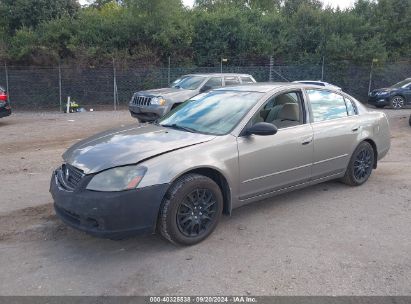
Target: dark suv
<point x="396" y="96"/>
<point x="5" y="109"/>
<point x="152" y="104"/>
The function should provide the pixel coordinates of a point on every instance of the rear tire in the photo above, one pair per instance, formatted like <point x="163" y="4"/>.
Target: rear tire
<point x="360" y="166"/>
<point x="190" y="210"/>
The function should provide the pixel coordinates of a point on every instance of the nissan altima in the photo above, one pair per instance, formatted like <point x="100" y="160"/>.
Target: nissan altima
<point x="229" y="147"/>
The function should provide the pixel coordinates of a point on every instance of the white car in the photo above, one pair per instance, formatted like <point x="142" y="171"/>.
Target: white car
<point x="319" y="83"/>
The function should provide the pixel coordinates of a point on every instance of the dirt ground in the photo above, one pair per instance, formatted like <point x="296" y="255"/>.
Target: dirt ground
<point x="329" y="239"/>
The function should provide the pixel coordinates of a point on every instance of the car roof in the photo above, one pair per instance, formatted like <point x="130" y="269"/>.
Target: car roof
<point x="217" y="74"/>
<point x="265" y="87"/>
<point x="319" y="81"/>
<point x="262" y="87"/>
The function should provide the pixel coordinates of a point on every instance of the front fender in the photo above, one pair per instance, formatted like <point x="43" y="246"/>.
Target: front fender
<point x="219" y="154"/>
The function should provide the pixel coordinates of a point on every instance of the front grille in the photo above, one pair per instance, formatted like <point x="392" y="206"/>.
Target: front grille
<point x="141" y="100"/>
<point x="70" y="176"/>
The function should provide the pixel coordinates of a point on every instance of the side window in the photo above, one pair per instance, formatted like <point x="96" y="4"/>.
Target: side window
<point x="326" y="105"/>
<point x="245" y="79"/>
<point x="351" y="110"/>
<point x="283" y="110"/>
<point x="215" y="82"/>
<point x="231" y="80"/>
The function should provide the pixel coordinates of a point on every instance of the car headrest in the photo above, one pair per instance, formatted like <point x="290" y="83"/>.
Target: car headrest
<point x="289" y="111"/>
<point x="283" y="99"/>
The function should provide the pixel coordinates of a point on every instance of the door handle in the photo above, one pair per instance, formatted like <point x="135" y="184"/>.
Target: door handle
<point x="355" y="129"/>
<point x="307" y="141"/>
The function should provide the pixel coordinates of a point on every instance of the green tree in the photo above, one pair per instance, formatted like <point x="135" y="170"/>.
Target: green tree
<point x="16" y="14"/>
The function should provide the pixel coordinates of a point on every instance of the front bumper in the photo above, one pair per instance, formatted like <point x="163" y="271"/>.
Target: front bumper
<point x="148" y="113"/>
<point x="379" y="100"/>
<point x="5" y="111"/>
<point x="112" y="215"/>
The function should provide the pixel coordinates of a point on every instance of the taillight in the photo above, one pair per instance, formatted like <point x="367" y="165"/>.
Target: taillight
<point x="3" y="96"/>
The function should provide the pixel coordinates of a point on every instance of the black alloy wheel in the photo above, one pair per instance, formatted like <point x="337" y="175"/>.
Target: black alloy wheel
<point x="360" y="166"/>
<point x="363" y="164"/>
<point x="196" y="212"/>
<point x="190" y="210"/>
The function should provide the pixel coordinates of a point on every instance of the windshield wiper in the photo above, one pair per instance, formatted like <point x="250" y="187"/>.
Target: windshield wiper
<point x="179" y="127"/>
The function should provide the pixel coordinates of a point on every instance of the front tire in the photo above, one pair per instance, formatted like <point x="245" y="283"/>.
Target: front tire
<point x="360" y="165"/>
<point x="397" y="102"/>
<point x="190" y="210"/>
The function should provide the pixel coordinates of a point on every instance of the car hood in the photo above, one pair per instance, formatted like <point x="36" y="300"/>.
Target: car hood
<point x="170" y="93"/>
<point x="128" y="145"/>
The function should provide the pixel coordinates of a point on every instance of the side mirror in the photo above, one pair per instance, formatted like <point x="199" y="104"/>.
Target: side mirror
<point x="262" y="128"/>
<point x="205" y="89"/>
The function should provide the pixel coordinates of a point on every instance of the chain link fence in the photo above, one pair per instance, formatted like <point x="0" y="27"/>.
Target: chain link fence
<point x="108" y="87"/>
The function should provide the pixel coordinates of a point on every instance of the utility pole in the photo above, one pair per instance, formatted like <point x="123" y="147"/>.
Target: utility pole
<point x="322" y="70"/>
<point x="7" y="80"/>
<point x="270" y="76"/>
<point x="372" y="65"/>
<point x="114" y="86"/>
<point x="60" y="97"/>
<point x="169" y="70"/>
<point x="221" y="64"/>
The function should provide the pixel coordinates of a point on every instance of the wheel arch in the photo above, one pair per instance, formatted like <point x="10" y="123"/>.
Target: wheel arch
<point x="218" y="177"/>
<point x="374" y="147"/>
<point x="175" y="105"/>
<point x="400" y="94"/>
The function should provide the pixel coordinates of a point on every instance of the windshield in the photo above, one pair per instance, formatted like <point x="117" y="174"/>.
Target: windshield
<point x="401" y="83"/>
<point x="188" y="82"/>
<point x="217" y="112"/>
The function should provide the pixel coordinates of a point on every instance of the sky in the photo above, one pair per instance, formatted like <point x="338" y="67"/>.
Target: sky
<point x="334" y="3"/>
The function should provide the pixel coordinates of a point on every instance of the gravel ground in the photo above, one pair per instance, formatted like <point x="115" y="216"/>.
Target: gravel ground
<point x="329" y="239"/>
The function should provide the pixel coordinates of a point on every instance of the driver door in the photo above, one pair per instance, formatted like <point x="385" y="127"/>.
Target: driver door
<point x="275" y="162"/>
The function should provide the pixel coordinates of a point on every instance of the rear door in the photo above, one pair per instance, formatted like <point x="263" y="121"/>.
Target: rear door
<point x="335" y="129"/>
<point x="407" y="93"/>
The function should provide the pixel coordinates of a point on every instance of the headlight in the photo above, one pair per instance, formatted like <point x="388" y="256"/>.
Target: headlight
<point x="117" y="179"/>
<point x="158" y="101"/>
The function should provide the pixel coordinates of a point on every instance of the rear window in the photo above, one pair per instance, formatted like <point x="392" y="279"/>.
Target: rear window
<point x="231" y="80"/>
<point x="245" y="79"/>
